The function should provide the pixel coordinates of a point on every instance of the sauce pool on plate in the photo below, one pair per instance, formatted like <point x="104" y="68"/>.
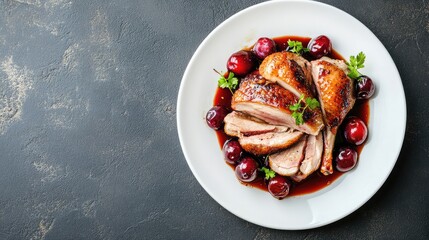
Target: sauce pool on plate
<point x="317" y="180"/>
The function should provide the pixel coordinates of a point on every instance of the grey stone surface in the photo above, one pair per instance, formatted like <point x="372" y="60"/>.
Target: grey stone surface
<point x="88" y="140"/>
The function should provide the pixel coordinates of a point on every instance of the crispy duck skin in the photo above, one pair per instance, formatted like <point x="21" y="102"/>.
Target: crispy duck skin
<point x="290" y="71"/>
<point x="336" y="96"/>
<point x="270" y="102"/>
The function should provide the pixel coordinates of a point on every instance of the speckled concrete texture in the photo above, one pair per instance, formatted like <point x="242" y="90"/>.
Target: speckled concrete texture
<point x="88" y="139"/>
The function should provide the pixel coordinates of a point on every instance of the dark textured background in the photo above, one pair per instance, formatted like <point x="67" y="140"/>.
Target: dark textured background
<point x="88" y="139"/>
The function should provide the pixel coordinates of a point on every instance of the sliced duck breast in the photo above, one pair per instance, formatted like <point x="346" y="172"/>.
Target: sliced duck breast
<point x="312" y="159"/>
<point x="267" y="143"/>
<point x="239" y="124"/>
<point x="288" y="161"/>
<point x="270" y="102"/>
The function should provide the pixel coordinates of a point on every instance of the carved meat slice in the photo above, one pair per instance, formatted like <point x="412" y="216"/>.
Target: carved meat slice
<point x="258" y="137"/>
<point x="287" y="162"/>
<point x="290" y="71"/>
<point x="336" y="96"/>
<point x="267" y="143"/>
<point x="312" y="159"/>
<point x="270" y="102"/>
<point x="239" y="124"/>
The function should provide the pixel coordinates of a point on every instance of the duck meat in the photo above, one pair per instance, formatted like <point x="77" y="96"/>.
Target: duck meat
<point x="258" y="137"/>
<point x="312" y="159"/>
<point x="270" y="102"/>
<point x="290" y="71"/>
<point x="288" y="161"/>
<point x="336" y="97"/>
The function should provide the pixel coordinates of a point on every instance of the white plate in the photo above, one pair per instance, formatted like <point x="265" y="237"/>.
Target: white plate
<point x="386" y="125"/>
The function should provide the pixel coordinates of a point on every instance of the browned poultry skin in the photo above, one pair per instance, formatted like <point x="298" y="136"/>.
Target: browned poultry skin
<point x="255" y="88"/>
<point x="336" y="96"/>
<point x="335" y="93"/>
<point x="270" y="102"/>
<point x="289" y="70"/>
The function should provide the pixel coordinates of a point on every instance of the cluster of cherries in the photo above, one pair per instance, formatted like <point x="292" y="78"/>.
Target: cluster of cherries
<point x="242" y="63"/>
<point x="246" y="169"/>
<point x="246" y="166"/>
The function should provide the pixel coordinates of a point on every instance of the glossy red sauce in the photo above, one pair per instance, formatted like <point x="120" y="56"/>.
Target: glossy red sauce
<point x="316" y="181"/>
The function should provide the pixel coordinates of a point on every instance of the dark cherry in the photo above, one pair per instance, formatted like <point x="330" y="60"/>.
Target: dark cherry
<point x="320" y="46"/>
<point x="355" y="131"/>
<point x="346" y="159"/>
<point x="247" y="169"/>
<point x="264" y="47"/>
<point x="232" y="151"/>
<point x="215" y="116"/>
<point x="365" y="88"/>
<point x="241" y="63"/>
<point x="279" y="187"/>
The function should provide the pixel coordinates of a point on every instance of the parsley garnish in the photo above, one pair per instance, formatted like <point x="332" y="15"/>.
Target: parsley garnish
<point x="296" y="47"/>
<point x="231" y="82"/>
<point x="268" y="173"/>
<point x="298" y="110"/>
<point x="355" y="64"/>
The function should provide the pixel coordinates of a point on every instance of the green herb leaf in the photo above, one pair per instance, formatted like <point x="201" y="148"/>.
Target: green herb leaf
<point x="353" y="74"/>
<point x="296" y="47"/>
<point x="295" y="107"/>
<point x="298" y="118"/>
<point x="231" y="82"/>
<point x="360" y="59"/>
<point x="312" y="103"/>
<point x="222" y="82"/>
<point x="268" y="173"/>
<point x="356" y="62"/>
<point x="298" y="110"/>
